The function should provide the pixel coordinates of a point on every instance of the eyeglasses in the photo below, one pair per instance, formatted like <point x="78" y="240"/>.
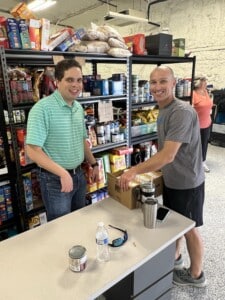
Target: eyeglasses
<point x="121" y="240"/>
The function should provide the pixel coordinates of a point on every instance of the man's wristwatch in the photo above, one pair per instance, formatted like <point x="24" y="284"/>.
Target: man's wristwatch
<point x="94" y="165"/>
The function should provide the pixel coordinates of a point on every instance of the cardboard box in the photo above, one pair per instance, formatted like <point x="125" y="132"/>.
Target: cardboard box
<point x="122" y="150"/>
<point x="178" y="47"/>
<point x="13" y="33"/>
<point x="35" y="34"/>
<point x="59" y="37"/>
<point x="22" y="11"/>
<point x="159" y="44"/>
<point x="3" y="33"/>
<point x="129" y="198"/>
<point x="117" y="162"/>
<point x="65" y="45"/>
<point x="45" y="34"/>
<point x="24" y="34"/>
<point x="106" y="163"/>
<point x="138" y="43"/>
<point x="102" y="177"/>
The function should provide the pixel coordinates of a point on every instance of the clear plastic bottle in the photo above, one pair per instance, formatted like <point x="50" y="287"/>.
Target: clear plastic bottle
<point x="102" y="240"/>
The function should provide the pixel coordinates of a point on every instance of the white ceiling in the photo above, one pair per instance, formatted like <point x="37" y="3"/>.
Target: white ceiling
<point x="78" y="13"/>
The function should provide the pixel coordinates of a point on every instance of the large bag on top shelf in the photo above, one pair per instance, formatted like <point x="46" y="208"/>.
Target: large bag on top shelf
<point x="90" y="47"/>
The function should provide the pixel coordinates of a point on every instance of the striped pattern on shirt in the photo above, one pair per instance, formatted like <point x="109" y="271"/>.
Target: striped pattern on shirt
<point x="58" y="129"/>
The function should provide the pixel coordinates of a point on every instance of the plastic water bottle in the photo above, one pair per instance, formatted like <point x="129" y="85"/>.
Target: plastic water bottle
<point x="102" y="240"/>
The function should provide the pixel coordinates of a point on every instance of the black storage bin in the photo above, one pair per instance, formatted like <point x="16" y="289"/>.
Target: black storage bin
<point x="159" y="44"/>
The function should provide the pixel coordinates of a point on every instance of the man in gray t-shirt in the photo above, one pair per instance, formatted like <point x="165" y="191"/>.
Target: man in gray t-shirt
<point x="178" y="122"/>
<point x="179" y="157"/>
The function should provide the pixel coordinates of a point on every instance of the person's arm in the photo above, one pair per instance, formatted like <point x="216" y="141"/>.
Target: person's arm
<point x="37" y="155"/>
<point x="154" y="163"/>
<point x="92" y="161"/>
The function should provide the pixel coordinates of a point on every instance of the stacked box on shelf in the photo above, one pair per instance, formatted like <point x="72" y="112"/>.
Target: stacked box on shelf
<point x="178" y="47"/>
<point x="37" y="220"/>
<point x="3" y="213"/>
<point x="8" y="201"/>
<point x="117" y="162"/>
<point x="24" y="34"/>
<point x="28" y="191"/>
<point x="159" y="44"/>
<point x="6" y="209"/>
<point x="106" y="163"/>
<point x="65" y="44"/>
<point x="102" y="178"/>
<point x="122" y="150"/>
<point x="94" y="186"/>
<point x="59" y="37"/>
<point x="2" y="153"/>
<point x="21" y="137"/>
<point x="91" y="186"/>
<point x="4" y="37"/>
<point x="97" y="196"/>
<point x="13" y="33"/>
<point x="36" y="190"/>
<point x="35" y="34"/>
<point x="45" y="33"/>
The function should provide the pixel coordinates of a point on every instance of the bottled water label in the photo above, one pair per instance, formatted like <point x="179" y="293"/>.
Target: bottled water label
<point x="102" y="242"/>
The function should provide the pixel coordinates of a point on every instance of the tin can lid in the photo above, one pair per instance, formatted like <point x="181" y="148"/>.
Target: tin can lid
<point x="77" y="251"/>
<point x="148" y="187"/>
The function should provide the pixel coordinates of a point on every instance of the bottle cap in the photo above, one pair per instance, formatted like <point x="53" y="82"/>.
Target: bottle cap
<point x="101" y="224"/>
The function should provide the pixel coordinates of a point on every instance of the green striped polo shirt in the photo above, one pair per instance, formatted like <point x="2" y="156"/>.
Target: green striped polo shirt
<point x="58" y="129"/>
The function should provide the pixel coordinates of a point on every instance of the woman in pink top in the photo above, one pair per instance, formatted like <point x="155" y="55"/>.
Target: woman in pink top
<point x="203" y="106"/>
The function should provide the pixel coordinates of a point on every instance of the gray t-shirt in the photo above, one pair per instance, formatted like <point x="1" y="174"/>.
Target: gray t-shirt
<point x="179" y="122"/>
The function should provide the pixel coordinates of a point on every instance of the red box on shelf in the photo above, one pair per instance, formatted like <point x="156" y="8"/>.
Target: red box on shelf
<point x="122" y="150"/>
<point x="138" y="43"/>
<point x="3" y="33"/>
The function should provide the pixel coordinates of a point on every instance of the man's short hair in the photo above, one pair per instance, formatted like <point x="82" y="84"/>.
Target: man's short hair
<point x="65" y="65"/>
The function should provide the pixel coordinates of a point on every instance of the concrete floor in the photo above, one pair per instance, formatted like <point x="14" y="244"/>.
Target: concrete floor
<point x="213" y="233"/>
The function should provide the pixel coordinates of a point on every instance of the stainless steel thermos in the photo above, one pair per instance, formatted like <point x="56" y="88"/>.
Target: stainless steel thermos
<point x="149" y="208"/>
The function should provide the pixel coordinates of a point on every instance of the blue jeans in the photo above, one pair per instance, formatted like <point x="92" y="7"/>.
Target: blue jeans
<point x="59" y="203"/>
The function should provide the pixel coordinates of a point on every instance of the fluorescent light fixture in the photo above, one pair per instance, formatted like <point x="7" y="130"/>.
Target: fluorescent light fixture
<point x="126" y="17"/>
<point x="38" y="5"/>
<point x="130" y="16"/>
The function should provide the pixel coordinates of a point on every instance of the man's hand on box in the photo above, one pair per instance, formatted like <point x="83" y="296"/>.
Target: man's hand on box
<point x="95" y="176"/>
<point x="126" y="178"/>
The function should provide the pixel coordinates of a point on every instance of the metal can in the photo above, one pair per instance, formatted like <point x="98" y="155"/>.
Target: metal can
<point x="101" y="139"/>
<point x="115" y="137"/>
<point x="107" y="133"/>
<point x="77" y="258"/>
<point x="100" y="128"/>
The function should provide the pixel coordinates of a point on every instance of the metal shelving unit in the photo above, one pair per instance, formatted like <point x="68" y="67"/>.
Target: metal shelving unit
<point x="30" y="58"/>
<point x="153" y="60"/>
<point x="9" y="171"/>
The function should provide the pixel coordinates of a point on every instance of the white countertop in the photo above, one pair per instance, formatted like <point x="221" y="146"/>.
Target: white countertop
<point x="34" y="265"/>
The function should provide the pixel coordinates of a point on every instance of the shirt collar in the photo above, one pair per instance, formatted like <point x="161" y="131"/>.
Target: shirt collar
<point x="62" y="102"/>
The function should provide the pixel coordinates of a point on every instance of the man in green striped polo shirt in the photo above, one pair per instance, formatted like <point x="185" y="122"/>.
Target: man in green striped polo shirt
<point x="56" y="142"/>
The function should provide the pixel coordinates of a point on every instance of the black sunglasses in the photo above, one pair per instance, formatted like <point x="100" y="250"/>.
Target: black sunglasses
<point x="121" y="240"/>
